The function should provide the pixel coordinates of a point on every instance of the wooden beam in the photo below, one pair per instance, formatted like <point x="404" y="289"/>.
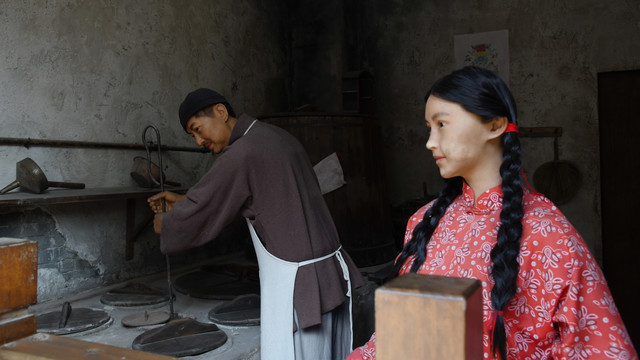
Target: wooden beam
<point x="52" y="347"/>
<point x="14" y="329"/>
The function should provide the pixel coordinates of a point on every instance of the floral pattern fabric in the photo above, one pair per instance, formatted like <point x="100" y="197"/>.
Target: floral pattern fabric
<point x="562" y="309"/>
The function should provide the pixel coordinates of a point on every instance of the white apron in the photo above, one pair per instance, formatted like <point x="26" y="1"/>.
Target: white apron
<point x="277" y="282"/>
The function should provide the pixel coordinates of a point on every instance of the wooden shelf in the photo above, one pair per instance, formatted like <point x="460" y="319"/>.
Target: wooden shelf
<point x="65" y="196"/>
<point x="540" y="131"/>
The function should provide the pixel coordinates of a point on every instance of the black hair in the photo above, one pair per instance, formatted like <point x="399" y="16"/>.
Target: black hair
<point x="483" y="93"/>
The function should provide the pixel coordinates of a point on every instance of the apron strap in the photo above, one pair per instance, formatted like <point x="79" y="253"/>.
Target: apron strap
<point x="307" y="262"/>
<point x="347" y="278"/>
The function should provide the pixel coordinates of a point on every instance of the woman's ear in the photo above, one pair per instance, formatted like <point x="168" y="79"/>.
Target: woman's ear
<point x="498" y="126"/>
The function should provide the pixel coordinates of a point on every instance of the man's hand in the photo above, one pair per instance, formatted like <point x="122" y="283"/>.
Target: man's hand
<point x="170" y="199"/>
<point x="157" y="223"/>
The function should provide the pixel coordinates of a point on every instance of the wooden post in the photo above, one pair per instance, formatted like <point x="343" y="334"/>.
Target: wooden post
<point x="429" y="317"/>
<point x="18" y="288"/>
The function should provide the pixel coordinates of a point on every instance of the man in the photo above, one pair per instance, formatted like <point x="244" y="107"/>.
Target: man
<point x="264" y="174"/>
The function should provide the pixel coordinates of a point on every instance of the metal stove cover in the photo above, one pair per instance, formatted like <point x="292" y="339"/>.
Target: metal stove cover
<point x="220" y="282"/>
<point x="135" y="294"/>
<point x="77" y="320"/>
<point x="181" y="337"/>
<point x="241" y="311"/>
<point x="145" y="318"/>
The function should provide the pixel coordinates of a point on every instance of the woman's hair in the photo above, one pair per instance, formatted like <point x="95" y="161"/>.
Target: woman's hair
<point x="484" y="94"/>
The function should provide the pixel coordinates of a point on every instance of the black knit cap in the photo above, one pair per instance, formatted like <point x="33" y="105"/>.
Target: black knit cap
<point x="196" y="101"/>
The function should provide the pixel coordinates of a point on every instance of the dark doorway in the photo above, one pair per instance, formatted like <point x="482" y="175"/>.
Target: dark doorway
<point x="619" y="116"/>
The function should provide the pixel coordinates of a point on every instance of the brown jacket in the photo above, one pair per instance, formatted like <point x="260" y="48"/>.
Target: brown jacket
<point x="267" y="176"/>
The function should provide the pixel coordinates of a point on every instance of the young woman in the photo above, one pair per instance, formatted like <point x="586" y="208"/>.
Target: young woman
<point x="544" y="295"/>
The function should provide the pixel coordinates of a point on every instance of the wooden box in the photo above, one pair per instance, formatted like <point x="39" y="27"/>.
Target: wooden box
<point x="19" y="273"/>
<point x="429" y="317"/>
<point x="18" y="288"/>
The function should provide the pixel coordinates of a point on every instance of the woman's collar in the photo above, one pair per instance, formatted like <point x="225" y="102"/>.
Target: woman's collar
<point x="489" y="200"/>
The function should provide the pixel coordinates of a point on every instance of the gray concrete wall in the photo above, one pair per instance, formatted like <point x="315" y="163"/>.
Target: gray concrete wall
<point x="101" y="71"/>
<point x="556" y="51"/>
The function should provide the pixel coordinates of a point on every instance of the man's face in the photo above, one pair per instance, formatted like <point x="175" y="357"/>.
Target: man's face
<point x="211" y="131"/>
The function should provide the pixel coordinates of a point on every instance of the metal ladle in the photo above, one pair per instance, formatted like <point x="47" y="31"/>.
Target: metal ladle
<point x="31" y="178"/>
<point x="160" y="182"/>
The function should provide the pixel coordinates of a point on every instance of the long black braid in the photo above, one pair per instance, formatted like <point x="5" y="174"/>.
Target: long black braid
<point x="483" y="93"/>
<point x="423" y="231"/>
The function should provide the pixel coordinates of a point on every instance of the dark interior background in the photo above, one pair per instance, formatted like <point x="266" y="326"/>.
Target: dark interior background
<point x="100" y="71"/>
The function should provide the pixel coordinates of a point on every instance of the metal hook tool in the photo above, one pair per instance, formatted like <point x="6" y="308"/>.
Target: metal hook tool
<point x="161" y="183"/>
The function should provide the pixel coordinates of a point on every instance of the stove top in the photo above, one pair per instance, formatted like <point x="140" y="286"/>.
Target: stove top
<point x="243" y="341"/>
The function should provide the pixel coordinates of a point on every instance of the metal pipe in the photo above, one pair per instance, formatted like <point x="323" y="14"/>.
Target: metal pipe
<point x="28" y="142"/>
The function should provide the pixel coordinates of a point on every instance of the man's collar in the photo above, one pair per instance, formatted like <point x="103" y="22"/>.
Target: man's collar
<point x="242" y="124"/>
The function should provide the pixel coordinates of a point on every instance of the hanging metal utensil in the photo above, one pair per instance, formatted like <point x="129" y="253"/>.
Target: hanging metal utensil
<point x="140" y="173"/>
<point x="160" y="182"/>
<point x="31" y="178"/>
<point x="558" y="180"/>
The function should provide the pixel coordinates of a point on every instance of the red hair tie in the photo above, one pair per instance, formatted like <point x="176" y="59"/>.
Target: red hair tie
<point x="494" y="318"/>
<point x="511" y="127"/>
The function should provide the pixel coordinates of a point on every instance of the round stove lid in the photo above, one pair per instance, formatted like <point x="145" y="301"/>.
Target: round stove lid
<point x="145" y="318"/>
<point x="69" y="321"/>
<point x="241" y="311"/>
<point x="181" y="337"/>
<point x="134" y="294"/>
<point x="220" y="282"/>
<point x="206" y="285"/>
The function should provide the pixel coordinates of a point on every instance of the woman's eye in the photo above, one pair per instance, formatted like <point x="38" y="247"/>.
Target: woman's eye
<point x="441" y="124"/>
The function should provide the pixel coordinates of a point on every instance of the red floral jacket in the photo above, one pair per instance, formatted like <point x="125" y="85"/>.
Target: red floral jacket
<point x="563" y="308"/>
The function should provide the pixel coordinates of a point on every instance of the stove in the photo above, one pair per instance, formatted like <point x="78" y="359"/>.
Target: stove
<point x="243" y="342"/>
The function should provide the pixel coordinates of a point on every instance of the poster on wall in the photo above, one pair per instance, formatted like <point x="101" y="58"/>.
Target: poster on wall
<point x="489" y="50"/>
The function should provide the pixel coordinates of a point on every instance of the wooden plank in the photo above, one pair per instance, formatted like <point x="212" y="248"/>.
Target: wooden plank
<point x="52" y="347"/>
<point x="550" y="131"/>
<point x="429" y="317"/>
<point x="17" y="329"/>
<point x="19" y="271"/>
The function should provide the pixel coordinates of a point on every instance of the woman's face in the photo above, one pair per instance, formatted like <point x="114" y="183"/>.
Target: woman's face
<point x="458" y="139"/>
